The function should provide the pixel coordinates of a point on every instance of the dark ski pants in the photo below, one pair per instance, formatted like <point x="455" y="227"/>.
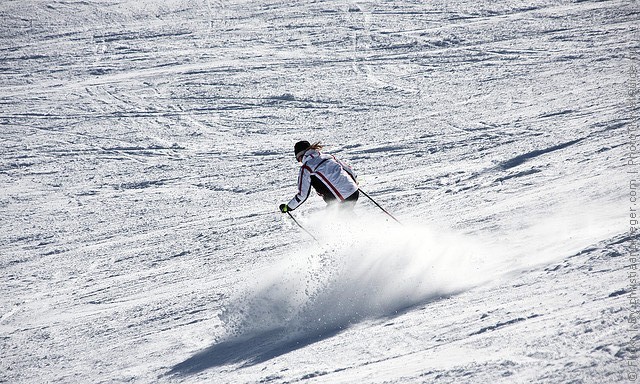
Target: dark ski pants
<point x="330" y="199"/>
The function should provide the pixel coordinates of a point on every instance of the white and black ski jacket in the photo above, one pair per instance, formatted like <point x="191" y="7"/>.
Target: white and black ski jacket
<point x="338" y="177"/>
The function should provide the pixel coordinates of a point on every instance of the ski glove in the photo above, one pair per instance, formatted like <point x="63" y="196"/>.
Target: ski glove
<point x="284" y="208"/>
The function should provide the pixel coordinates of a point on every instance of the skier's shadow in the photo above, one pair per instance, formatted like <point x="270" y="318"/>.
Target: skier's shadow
<point x="248" y="350"/>
<point x="261" y="347"/>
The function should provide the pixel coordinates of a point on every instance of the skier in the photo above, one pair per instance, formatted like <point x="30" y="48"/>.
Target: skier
<point x="331" y="178"/>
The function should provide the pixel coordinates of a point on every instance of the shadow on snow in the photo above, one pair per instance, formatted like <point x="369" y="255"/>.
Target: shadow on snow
<point x="248" y="350"/>
<point x="264" y="346"/>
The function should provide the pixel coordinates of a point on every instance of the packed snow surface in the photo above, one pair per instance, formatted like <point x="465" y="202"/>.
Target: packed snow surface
<point x="146" y="145"/>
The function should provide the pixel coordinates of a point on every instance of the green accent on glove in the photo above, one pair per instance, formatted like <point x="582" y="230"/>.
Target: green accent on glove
<point x="284" y="208"/>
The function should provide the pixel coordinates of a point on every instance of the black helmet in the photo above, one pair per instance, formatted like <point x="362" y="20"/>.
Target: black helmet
<point x="300" y="148"/>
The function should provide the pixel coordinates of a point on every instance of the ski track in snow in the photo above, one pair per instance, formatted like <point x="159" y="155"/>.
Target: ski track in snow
<point x="145" y="147"/>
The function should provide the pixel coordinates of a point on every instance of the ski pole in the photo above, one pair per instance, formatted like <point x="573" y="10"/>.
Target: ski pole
<point x="383" y="210"/>
<point x="303" y="228"/>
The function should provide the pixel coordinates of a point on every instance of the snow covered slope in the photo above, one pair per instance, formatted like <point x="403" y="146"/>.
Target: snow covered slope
<point x="146" y="145"/>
